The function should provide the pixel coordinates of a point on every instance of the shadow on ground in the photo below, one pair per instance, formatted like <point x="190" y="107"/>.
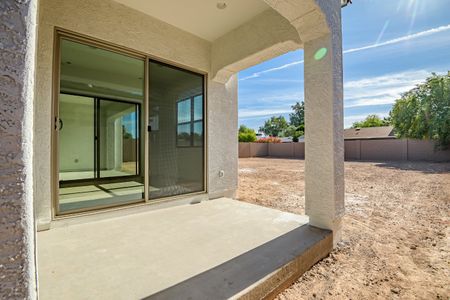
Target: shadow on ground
<point x="420" y="166"/>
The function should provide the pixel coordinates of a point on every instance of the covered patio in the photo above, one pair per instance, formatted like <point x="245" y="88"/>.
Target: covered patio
<point x="195" y="243"/>
<point x="212" y="250"/>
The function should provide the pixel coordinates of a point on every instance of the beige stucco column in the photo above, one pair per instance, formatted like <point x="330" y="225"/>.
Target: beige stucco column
<point x="17" y="234"/>
<point x="324" y="144"/>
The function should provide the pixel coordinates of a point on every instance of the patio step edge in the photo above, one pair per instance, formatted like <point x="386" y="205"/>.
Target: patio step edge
<point x="279" y="280"/>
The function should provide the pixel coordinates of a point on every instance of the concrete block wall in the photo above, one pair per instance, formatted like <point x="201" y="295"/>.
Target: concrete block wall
<point x="389" y="149"/>
<point x="259" y="149"/>
<point x="365" y="150"/>
<point x="281" y="149"/>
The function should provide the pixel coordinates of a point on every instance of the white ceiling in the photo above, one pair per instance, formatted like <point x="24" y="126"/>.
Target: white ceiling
<point x="200" y="17"/>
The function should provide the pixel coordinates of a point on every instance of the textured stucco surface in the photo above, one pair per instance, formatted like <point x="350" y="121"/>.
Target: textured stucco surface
<point x="143" y="33"/>
<point x="222" y="141"/>
<point x="293" y="24"/>
<point x="17" y="243"/>
<point x="114" y="23"/>
<point x="324" y="142"/>
<point x="266" y="36"/>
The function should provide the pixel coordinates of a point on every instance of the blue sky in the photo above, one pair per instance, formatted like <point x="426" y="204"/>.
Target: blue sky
<point x="389" y="47"/>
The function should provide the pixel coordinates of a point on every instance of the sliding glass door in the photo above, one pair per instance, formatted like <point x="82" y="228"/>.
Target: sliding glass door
<point x="99" y="128"/>
<point x="118" y="144"/>
<point x="176" y="117"/>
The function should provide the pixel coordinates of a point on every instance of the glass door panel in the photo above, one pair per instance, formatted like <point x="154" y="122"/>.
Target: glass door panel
<point x="176" y="139"/>
<point x="76" y="137"/>
<point x="118" y="138"/>
<point x="102" y="137"/>
<point x="100" y="148"/>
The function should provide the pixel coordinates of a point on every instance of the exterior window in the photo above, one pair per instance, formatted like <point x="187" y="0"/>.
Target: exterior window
<point x="190" y="122"/>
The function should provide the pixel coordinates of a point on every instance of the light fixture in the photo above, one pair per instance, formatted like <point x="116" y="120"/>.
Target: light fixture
<point x="221" y="5"/>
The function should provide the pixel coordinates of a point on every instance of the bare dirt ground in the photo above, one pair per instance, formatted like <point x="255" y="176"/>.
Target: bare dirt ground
<point x="396" y="233"/>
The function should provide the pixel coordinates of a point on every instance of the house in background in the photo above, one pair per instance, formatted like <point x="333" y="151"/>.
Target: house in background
<point x="382" y="132"/>
<point x="120" y="115"/>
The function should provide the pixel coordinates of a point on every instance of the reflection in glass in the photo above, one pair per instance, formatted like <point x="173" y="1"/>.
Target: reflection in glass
<point x="176" y="139"/>
<point x="119" y="135"/>
<point x="76" y="137"/>
<point x="100" y="145"/>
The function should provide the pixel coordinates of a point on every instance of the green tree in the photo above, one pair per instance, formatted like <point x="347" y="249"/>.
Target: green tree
<point x="371" y="121"/>
<point x="297" y="118"/>
<point x="294" y="132"/>
<point x="125" y="133"/>
<point x="289" y="131"/>
<point x="246" y="134"/>
<point x="274" y="126"/>
<point x="424" y="111"/>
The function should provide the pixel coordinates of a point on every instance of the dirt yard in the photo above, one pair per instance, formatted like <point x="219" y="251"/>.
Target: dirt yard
<point x="396" y="233"/>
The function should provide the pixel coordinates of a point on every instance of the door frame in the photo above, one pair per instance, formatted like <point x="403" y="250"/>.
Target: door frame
<point x="97" y="178"/>
<point x="61" y="33"/>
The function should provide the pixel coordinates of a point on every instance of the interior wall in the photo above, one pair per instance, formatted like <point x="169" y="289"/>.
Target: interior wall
<point x="76" y="151"/>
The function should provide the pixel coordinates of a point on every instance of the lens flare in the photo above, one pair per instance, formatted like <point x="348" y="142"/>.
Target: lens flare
<point x="320" y="53"/>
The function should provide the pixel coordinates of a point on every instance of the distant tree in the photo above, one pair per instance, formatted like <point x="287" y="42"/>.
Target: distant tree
<point x="371" y="121"/>
<point x="294" y="132"/>
<point x="125" y="133"/>
<point x="289" y="131"/>
<point x="297" y="118"/>
<point x="424" y="111"/>
<point x="246" y="134"/>
<point x="274" y="126"/>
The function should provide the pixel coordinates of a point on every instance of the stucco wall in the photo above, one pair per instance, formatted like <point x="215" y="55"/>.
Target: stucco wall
<point x="17" y="234"/>
<point x="118" y="24"/>
<point x="266" y="36"/>
<point x="223" y="145"/>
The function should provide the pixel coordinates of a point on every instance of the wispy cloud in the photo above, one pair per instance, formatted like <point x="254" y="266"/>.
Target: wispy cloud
<point x="401" y="39"/>
<point x="380" y="90"/>
<point x="377" y="44"/>
<point x="262" y="113"/>
<point x="369" y="91"/>
<point x="257" y="74"/>
<point x="383" y="30"/>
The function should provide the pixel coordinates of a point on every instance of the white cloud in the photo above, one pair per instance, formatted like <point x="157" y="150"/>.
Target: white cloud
<point x="257" y="74"/>
<point x="377" y="44"/>
<point x="380" y="90"/>
<point x="260" y="113"/>
<point x="401" y="39"/>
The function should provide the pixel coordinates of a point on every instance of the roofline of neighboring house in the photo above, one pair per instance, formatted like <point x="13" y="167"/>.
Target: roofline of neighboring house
<point x="371" y="138"/>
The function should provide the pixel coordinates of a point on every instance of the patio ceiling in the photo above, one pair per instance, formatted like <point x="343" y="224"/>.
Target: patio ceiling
<point x="200" y="17"/>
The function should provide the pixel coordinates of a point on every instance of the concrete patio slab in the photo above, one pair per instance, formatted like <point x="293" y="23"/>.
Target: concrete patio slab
<point x="216" y="249"/>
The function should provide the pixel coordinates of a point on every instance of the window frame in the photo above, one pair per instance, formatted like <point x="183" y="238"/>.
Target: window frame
<point x="191" y="122"/>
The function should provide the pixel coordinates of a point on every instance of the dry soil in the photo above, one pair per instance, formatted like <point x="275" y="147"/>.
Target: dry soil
<point x="396" y="233"/>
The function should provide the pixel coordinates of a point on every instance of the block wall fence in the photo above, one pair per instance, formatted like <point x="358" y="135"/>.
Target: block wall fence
<point x="363" y="150"/>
